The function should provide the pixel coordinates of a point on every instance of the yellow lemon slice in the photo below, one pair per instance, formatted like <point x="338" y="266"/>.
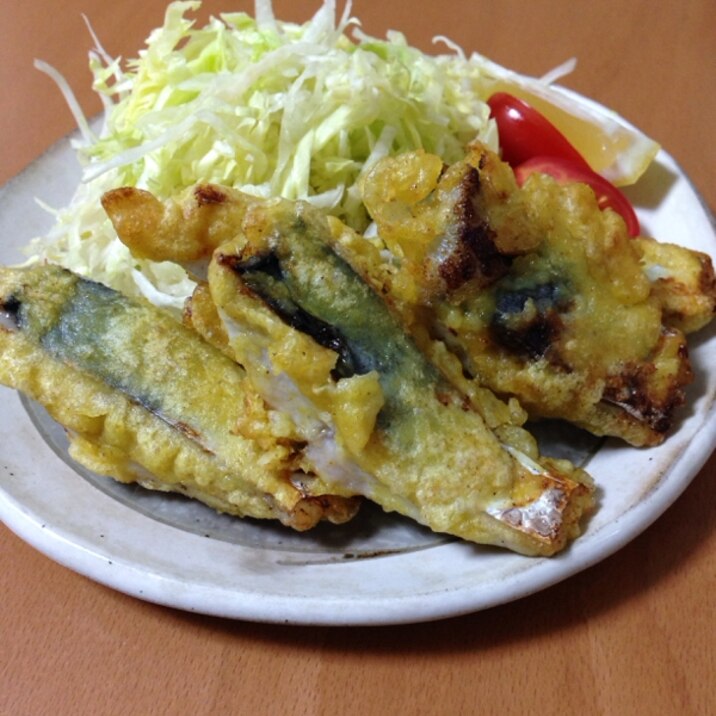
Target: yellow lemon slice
<point x="611" y="146"/>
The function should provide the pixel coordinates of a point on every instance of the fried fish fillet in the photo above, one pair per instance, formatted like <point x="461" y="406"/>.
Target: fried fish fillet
<point x="146" y="400"/>
<point x="542" y="295"/>
<point x="378" y="418"/>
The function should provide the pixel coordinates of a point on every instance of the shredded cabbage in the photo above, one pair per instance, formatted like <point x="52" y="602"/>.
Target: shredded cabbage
<point x="269" y="107"/>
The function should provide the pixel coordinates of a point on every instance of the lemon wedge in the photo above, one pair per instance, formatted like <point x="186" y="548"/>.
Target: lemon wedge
<point x="612" y="147"/>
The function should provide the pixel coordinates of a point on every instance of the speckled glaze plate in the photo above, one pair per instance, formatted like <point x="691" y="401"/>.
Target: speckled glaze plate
<point x="379" y="569"/>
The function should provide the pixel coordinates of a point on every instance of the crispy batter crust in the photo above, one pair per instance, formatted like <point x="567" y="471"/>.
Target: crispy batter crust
<point x="580" y="322"/>
<point x="147" y="401"/>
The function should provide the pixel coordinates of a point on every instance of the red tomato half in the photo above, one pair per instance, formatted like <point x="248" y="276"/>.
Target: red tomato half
<point x="565" y="171"/>
<point x="525" y="133"/>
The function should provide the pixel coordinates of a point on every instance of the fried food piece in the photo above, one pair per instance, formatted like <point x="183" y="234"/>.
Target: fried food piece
<point x="542" y="295"/>
<point x="182" y="231"/>
<point x="378" y="418"/>
<point x="201" y="316"/>
<point x="683" y="282"/>
<point x="145" y="400"/>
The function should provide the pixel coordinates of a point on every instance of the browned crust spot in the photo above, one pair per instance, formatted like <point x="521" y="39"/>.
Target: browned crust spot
<point x="475" y="255"/>
<point x="633" y="391"/>
<point x="707" y="279"/>
<point x="206" y="194"/>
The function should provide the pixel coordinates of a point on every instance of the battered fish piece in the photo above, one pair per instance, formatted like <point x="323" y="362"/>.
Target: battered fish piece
<point x="542" y="295"/>
<point x="321" y="346"/>
<point x="377" y="417"/>
<point x="146" y="400"/>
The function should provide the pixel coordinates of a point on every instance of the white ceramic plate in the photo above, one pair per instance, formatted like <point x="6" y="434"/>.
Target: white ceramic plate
<point x="378" y="570"/>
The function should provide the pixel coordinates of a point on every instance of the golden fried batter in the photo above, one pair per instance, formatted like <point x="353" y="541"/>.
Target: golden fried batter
<point x="180" y="231"/>
<point x="147" y="401"/>
<point x="320" y="346"/>
<point x="542" y="295"/>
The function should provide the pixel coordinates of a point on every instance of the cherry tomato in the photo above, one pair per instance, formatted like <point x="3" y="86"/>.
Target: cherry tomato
<point x="525" y="133"/>
<point x="566" y="171"/>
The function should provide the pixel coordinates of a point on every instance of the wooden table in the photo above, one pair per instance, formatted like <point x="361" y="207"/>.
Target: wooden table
<point x="632" y="635"/>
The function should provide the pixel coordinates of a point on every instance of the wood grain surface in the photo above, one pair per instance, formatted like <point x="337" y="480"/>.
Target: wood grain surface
<point x="634" y="634"/>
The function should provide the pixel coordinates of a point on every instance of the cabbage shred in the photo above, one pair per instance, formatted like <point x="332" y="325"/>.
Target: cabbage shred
<point x="271" y="108"/>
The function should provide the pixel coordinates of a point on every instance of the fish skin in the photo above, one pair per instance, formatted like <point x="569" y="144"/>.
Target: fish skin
<point x="146" y="399"/>
<point x="430" y="455"/>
